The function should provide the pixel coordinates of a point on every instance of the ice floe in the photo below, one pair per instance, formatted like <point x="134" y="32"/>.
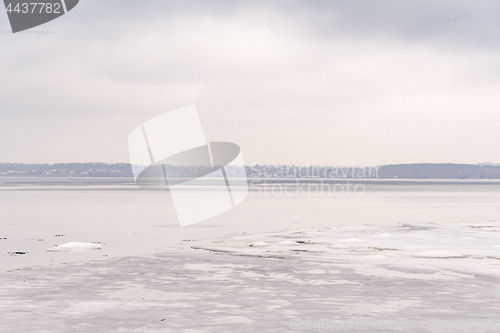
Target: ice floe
<point x="438" y="254"/>
<point x="75" y="247"/>
<point x="258" y="244"/>
<point x="458" y="244"/>
<point x="383" y="235"/>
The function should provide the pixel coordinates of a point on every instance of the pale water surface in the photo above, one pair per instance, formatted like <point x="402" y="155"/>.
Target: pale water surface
<point x="414" y="251"/>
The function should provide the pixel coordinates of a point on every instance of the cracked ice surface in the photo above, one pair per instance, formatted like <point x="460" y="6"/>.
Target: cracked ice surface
<point x="476" y="245"/>
<point x="407" y="272"/>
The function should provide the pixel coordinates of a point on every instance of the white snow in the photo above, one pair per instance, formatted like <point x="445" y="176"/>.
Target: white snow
<point x="258" y="244"/>
<point x="287" y="242"/>
<point x="75" y="247"/>
<point x="383" y="235"/>
<point x="438" y="254"/>
<point x="401" y="245"/>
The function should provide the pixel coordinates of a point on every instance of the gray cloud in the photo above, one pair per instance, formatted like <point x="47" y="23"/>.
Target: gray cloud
<point x="474" y="23"/>
<point x="470" y="22"/>
<point x="290" y="81"/>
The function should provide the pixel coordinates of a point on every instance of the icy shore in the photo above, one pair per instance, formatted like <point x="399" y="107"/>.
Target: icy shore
<point x="433" y="274"/>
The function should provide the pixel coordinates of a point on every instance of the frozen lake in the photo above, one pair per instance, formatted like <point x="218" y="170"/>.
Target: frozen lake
<point x="400" y="250"/>
<point x="39" y="213"/>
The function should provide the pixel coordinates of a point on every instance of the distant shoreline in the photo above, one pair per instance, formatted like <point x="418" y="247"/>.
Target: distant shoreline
<point x="281" y="173"/>
<point x="128" y="183"/>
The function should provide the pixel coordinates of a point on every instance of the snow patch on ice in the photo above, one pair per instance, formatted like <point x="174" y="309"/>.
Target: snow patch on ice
<point x="376" y="256"/>
<point x="287" y="242"/>
<point x="438" y="254"/>
<point x="75" y="247"/>
<point x="258" y="244"/>
<point x="383" y="235"/>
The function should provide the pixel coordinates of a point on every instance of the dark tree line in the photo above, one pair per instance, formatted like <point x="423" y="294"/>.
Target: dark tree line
<point x="393" y="171"/>
<point x="439" y="171"/>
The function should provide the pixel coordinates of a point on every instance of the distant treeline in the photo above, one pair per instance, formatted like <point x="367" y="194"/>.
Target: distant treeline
<point x="439" y="171"/>
<point x="393" y="171"/>
<point x="66" y="170"/>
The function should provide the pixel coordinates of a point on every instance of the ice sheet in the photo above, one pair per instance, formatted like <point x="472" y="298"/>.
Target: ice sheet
<point x="462" y="247"/>
<point x="75" y="247"/>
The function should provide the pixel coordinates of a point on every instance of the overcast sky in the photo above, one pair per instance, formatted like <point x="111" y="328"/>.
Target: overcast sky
<point x="291" y="82"/>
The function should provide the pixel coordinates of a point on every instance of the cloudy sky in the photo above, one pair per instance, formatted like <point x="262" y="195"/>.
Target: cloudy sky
<point x="295" y="82"/>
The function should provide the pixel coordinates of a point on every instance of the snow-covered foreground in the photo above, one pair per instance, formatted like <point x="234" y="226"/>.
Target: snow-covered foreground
<point x="424" y="278"/>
